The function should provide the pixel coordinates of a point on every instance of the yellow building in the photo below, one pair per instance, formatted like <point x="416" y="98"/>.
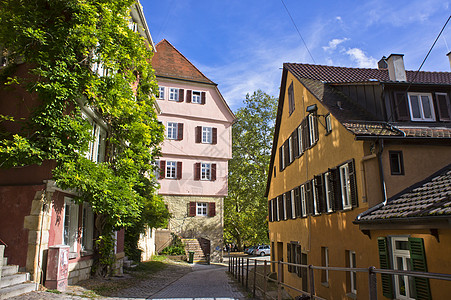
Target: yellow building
<point x="348" y="144"/>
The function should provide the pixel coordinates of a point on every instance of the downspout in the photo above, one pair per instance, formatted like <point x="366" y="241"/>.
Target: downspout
<point x="381" y="171"/>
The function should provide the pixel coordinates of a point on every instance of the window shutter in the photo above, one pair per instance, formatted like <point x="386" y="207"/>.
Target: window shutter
<point x="418" y="263"/>
<point x="320" y="193"/>
<point x="203" y="98"/>
<point x="214" y="137"/>
<point x="270" y="210"/>
<point x="162" y="169"/>
<point x="443" y="107"/>
<point x="274" y="209"/>
<point x="401" y="106"/>
<point x="198" y="134"/>
<point x="280" y="200"/>
<point x="179" y="170"/>
<point x="179" y="131"/>
<point x="309" y="200"/>
<point x="337" y="201"/>
<point x="213" y="172"/>
<point x="188" y="96"/>
<point x="211" y="209"/>
<point x="297" y="202"/>
<point x="289" y="257"/>
<point x="288" y="205"/>
<point x="192" y="209"/>
<point x="298" y="260"/>
<point x="281" y="167"/>
<point x="384" y="260"/>
<point x="294" y="139"/>
<point x="305" y="134"/>
<point x="353" y="184"/>
<point x="181" y="95"/>
<point x="197" y="171"/>
<point x="315" y="121"/>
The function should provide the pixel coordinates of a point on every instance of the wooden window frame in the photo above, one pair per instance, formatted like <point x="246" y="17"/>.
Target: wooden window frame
<point x="174" y="94"/>
<point x="422" y="118"/>
<point x="400" y="162"/>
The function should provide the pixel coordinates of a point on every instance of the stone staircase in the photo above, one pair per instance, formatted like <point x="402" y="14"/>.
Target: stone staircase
<point x="201" y="248"/>
<point x="13" y="282"/>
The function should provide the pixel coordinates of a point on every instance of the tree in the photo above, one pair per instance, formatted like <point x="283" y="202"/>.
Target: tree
<point x="246" y="205"/>
<point x="59" y="41"/>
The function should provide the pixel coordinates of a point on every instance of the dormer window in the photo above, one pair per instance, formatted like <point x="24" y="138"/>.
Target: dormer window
<point x="421" y="107"/>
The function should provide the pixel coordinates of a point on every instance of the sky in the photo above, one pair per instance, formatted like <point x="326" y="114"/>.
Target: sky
<point x="242" y="44"/>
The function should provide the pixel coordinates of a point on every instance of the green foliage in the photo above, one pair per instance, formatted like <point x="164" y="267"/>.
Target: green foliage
<point x="246" y="206"/>
<point x="176" y="247"/>
<point x="58" y="42"/>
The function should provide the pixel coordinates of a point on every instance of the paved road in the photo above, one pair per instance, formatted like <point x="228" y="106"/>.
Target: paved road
<point x="205" y="282"/>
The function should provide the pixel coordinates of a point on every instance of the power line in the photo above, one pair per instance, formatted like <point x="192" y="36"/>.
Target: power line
<point x="298" y="32"/>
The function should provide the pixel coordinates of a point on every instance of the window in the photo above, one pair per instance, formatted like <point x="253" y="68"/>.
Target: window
<point x="172" y="130"/>
<point x="205" y="171"/>
<point x="196" y="97"/>
<point x="396" y="163"/>
<point x="291" y="98"/>
<point x="313" y="129"/>
<point x="282" y="157"/>
<point x="291" y="256"/>
<point x="421" y="107"/>
<point x="161" y="92"/>
<point x="206" y="135"/>
<point x="345" y="186"/>
<point x="87" y="231"/>
<point x="401" y="261"/>
<point x="443" y="106"/>
<point x="132" y="25"/>
<point x="171" y="169"/>
<point x="293" y="205"/>
<point x="290" y="150"/>
<point x="173" y="94"/>
<point x="324" y="263"/>
<point x="328" y="126"/>
<point x="327" y="192"/>
<point x="284" y="206"/>
<point x="156" y="169"/>
<point x="97" y="144"/>
<point x="315" y="197"/>
<point x="201" y="209"/>
<point x="300" y="141"/>
<point x="303" y="201"/>
<point x="70" y="224"/>
<point x="352" y="279"/>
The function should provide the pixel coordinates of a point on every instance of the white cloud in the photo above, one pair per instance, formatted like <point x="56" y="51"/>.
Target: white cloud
<point x="334" y="43"/>
<point x="338" y="18"/>
<point x="363" y="61"/>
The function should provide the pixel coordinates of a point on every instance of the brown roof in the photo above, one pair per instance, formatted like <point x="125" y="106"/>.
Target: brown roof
<point x="430" y="197"/>
<point x="169" y="62"/>
<point x="331" y="74"/>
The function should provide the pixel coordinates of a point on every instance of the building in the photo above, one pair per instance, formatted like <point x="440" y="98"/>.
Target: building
<point x="35" y="213"/>
<point x="351" y="149"/>
<point x="197" y="147"/>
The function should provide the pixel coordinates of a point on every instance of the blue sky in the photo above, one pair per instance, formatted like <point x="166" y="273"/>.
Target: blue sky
<point x="242" y="44"/>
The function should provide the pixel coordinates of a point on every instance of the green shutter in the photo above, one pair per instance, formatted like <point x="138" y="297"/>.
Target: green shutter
<point x="353" y="184"/>
<point x="384" y="259"/>
<point x="418" y="263"/>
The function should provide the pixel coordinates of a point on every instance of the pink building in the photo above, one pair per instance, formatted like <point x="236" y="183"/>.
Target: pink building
<point x="198" y="145"/>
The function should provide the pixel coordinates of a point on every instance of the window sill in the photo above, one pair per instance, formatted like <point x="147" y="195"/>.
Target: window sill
<point x="86" y="252"/>
<point x="351" y="295"/>
<point x="325" y="284"/>
<point x="73" y="255"/>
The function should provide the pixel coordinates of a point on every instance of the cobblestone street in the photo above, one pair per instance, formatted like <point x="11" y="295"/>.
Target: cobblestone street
<point x="177" y="280"/>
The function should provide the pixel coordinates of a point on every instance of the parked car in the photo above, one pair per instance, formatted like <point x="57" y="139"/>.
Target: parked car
<point x="262" y="250"/>
<point x="250" y="250"/>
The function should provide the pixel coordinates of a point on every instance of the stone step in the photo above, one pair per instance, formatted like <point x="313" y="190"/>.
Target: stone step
<point x="14" y="279"/>
<point x="15" y="290"/>
<point x="9" y="270"/>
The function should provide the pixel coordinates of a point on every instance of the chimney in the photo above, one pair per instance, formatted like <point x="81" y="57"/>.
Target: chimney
<point x="449" y="57"/>
<point x="396" y="70"/>
<point x="382" y="64"/>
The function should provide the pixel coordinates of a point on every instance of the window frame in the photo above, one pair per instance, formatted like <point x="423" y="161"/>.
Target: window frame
<point x="400" y="162"/>
<point x="353" y="274"/>
<point x="207" y="135"/>
<point x="300" y="142"/>
<point x="171" y="167"/>
<point x="325" y="263"/>
<point x="293" y="204"/>
<point x="303" y="195"/>
<point x="327" y="189"/>
<point x="87" y="228"/>
<point x="161" y="92"/>
<point x="345" y="182"/>
<point x="404" y="254"/>
<point x="205" y="171"/>
<point x="290" y="150"/>
<point x="328" y="125"/>
<point x="172" y="130"/>
<point x="291" y="102"/>
<point x="198" y="99"/>
<point x="70" y="235"/>
<point x="200" y="206"/>
<point x="174" y="94"/>
<point x="422" y="118"/>
<point x="312" y="126"/>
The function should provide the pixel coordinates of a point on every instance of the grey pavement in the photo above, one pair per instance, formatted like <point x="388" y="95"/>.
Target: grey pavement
<point x="204" y="282"/>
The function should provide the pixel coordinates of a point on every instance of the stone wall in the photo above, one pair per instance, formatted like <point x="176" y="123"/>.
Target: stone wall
<point x="210" y="228"/>
<point x="80" y="270"/>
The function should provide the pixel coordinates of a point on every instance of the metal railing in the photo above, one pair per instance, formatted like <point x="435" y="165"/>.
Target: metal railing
<point x="241" y="267"/>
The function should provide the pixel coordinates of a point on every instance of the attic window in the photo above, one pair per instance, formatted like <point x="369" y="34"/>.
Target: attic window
<point x="421" y="107"/>
<point x="291" y="98"/>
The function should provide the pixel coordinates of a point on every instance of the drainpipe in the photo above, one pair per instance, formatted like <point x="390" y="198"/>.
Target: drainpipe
<point x="381" y="171"/>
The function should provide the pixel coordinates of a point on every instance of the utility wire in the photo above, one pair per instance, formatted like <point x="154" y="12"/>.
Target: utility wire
<point x="298" y="32"/>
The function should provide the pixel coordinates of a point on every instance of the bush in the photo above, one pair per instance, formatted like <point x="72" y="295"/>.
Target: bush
<point x="175" y="248"/>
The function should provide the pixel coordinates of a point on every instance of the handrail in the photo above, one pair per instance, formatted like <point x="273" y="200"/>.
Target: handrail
<point x="237" y="266"/>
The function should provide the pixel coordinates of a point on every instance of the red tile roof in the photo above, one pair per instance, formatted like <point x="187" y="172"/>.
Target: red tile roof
<point x="330" y="74"/>
<point x="169" y="62"/>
